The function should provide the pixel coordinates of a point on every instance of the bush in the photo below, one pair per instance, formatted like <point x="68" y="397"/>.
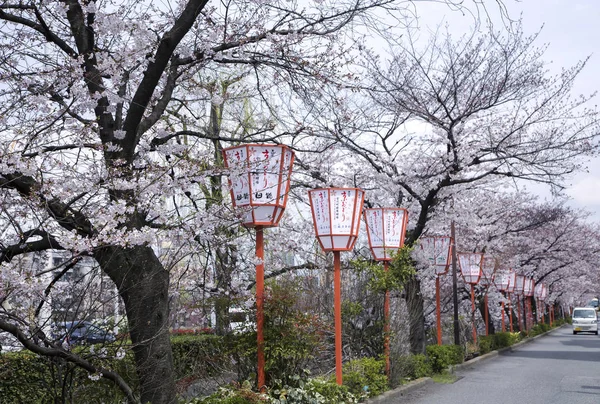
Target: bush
<point x="314" y="391"/>
<point x="442" y="356"/>
<point x="486" y="344"/>
<point x="409" y="367"/>
<point x="539" y="329"/>
<point x="292" y="338"/>
<point x="32" y="379"/>
<point x="422" y="367"/>
<point x="365" y="376"/>
<point x="241" y="394"/>
<point x="198" y="355"/>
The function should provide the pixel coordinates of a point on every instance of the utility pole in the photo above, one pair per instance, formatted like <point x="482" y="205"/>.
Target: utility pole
<point x="454" y="286"/>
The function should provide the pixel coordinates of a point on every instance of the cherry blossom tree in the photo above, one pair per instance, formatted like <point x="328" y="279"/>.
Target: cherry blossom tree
<point x="102" y="155"/>
<point x="454" y="114"/>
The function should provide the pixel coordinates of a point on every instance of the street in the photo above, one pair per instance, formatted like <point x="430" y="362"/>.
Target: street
<point x="557" y="368"/>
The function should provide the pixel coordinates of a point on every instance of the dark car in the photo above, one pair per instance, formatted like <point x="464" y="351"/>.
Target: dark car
<point x="82" y="332"/>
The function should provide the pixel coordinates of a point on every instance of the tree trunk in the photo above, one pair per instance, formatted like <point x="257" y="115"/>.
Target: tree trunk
<point x="143" y="284"/>
<point x="414" y="302"/>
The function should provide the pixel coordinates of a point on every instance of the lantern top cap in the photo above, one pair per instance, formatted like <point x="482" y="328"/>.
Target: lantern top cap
<point x="335" y="189"/>
<point x="257" y="145"/>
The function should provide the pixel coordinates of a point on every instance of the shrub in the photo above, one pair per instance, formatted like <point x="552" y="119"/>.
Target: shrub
<point x="292" y="338"/>
<point x="29" y="378"/>
<point x="442" y="356"/>
<point x="365" y="376"/>
<point x="198" y="355"/>
<point x="313" y="391"/>
<point x="422" y="367"/>
<point x="486" y="344"/>
<point x="240" y="394"/>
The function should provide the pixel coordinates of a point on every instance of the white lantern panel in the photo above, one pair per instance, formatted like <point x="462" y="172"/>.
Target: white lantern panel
<point x="385" y="230"/>
<point x="539" y="290"/>
<point x="288" y="158"/>
<point x="374" y="220"/>
<point x="326" y="242"/>
<point x="519" y="284"/>
<point x="319" y="200"/>
<point x="470" y="266"/>
<point x="342" y="211"/>
<point x="528" y="287"/>
<point x="264" y="163"/>
<point x="237" y="162"/>
<point x="503" y="281"/>
<point x="336" y="213"/>
<point x="259" y="177"/>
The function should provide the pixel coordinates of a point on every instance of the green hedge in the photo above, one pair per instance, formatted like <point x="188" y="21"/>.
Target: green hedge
<point x="443" y="356"/>
<point x="32" y="379"/>
<point x="498" y="341"/>
<point x="365" y="376"/>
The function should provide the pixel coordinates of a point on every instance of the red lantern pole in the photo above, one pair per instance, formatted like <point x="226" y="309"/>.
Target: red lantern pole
<point x="385" y="232"/>
<point x="386" y="327"/>
<point x="265" y="192"/>
<point x="487" y="319"/>
<point x="337" y="284"/>
<point x="510" y="318"/>
<point x="438" y="252"/>
<point x="503" y="325"/>
<point x="337" y="232"/>
<point x="470" y="266"/>
<point x="473" y="312"/>
<point x="438" y="310"/>
<point x="519" y="313"/>
<point x="260" y="315"/>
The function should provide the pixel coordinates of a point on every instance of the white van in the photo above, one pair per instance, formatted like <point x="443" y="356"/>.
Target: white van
<point x="585" y="320"/>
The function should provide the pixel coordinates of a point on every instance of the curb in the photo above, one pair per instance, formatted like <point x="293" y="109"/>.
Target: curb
<point x="400" y="391"/>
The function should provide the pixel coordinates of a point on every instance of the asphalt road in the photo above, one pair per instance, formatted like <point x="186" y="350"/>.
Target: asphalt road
<point x="558" y="368"/>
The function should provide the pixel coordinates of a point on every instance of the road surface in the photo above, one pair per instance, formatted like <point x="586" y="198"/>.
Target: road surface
<point x="558" y="368"/>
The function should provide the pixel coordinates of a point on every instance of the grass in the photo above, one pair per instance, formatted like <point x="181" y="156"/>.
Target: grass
<point x="444" y="378"/>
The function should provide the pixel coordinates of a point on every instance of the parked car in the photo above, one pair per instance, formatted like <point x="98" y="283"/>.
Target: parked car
<point x="81" y="332"/>
<point x="585" y="319"/>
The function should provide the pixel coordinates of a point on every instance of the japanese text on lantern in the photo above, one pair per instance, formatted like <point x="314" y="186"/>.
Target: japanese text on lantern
<point x="265" y="167"/>
<point x="342" y="219"/>
<point x="320" y="203"/>
<point x="287" y="157"/>
<point x="375" y="231"/>
<point x="236" y="159"/>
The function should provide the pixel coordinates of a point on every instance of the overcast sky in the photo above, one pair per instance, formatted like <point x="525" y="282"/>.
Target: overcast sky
<point x="571" y="29"/>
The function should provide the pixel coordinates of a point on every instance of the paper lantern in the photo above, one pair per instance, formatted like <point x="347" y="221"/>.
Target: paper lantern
<point x="385" y="231"/>
<point x="336" y="216"/>
<point x="438" y="252"/>
<point x="260" y="181"/>
<point x="470" y="266"/>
